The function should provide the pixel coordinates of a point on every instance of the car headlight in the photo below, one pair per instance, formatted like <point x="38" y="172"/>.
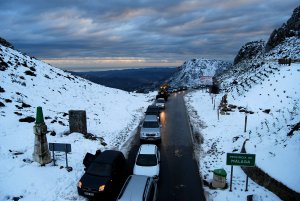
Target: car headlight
<point x="79" y="184"/>
<point x="101" y="188"/>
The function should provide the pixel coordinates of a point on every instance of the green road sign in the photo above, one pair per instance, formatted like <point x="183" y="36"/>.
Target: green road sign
<point x="240" y="159"/>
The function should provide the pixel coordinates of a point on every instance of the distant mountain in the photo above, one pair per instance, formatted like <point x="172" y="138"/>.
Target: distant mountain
<point x="140" y="80"/>
<point x="191" y="71"/>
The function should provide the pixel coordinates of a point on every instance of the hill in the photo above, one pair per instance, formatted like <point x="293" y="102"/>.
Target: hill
<point x="267" y="93"/>
<point x="112" y="116"/>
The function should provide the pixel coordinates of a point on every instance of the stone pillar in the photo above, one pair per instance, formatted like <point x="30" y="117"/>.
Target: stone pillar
<point x="77" y="121"/>
<point x="41" y="153"/>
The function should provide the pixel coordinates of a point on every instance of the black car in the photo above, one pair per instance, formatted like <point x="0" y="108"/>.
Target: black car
<point x="152" y="110"/>
<point x="104" y="176"/>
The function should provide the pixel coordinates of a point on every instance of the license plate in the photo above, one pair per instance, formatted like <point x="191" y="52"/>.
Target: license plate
<point x="151" y="138"/>
<point x="89" y="194"/>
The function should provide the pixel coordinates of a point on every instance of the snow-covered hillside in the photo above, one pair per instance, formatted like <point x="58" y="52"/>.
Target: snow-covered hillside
<point x="112" y="116"/>
<point x="269" y="93"/>
<point x="274" y="101"/>
<point x="190" y="72"/>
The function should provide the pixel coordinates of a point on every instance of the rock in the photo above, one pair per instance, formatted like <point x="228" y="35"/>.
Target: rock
<point x="289" y="29"/>
<point x="53" y="133"/>
<point x="2" y="90"/>
<point x="249" y="51"/>
<point x="27" y="119"/>
<point x="267" y="111"/>
<point x="5" y="43"/>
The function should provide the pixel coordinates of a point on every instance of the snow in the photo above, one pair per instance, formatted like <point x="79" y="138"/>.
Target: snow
<point x="276" y="153"/>
<point x="191" y="72"/>
<point x="112" y="116"/>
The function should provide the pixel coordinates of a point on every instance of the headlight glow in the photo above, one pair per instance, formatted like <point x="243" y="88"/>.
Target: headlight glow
<point x="79" y="184"/>
<point x="101" y="188"/>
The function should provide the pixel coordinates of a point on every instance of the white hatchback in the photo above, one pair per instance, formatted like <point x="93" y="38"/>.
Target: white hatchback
<point x="147" y="161"/>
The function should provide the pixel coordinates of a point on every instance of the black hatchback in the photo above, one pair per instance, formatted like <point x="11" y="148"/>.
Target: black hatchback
<point x="104" y="176"/>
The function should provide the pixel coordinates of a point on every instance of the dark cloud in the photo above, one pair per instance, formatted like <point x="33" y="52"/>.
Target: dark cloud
<point x="148" y="29"/>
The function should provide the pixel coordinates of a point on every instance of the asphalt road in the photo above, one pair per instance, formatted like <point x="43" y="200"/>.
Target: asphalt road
<point x="179" y="174"/>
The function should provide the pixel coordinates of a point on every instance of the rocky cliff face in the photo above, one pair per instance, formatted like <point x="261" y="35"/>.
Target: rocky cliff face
<point x="289" y="29"/>
<point x="6" y="43"/>
<point x="250" y="50"/>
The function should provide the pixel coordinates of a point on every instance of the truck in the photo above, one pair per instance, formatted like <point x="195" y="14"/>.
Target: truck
<point x="163" y="92"/>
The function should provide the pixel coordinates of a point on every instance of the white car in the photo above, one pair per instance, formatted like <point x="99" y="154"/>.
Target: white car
<point x="147" y="161"/>
<point x="160" y="102"/>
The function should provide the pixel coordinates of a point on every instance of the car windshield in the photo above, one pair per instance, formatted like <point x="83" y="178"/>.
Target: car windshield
<point x="146" y="160"/>
<point x="160" y="101"/>
<point x="99" y="169"/>
<point x="150" y="124"/>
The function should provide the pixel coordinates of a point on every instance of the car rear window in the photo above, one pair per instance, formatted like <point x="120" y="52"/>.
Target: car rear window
<point x="146" y="160"/>
<point x="99" y="169"/>
<point x="150" y="124"/>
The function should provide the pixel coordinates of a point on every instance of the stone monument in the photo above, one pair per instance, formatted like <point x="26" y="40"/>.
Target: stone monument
<point x="77" y="121"/>
<point x="41" y="153"/>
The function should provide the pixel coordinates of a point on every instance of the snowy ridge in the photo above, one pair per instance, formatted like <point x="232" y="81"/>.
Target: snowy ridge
<point x="190" y="72"/>
<point x="272" y="95"/>
<point x="289" y="48"/>
<point x="112" y="116"/>
<point x="271" y="92"/>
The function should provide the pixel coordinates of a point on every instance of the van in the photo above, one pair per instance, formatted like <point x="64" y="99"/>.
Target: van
<point x="104" y="176"/>
<point x="138" y="188"/>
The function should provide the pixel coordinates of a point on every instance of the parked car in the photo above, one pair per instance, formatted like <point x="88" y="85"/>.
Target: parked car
<point x="160" y="103"/>
<point x="138" y="188"/>
<point x="152" y="110"/>
<point x="147" y="161"/>
<point x="150" y="129"/>
<point x="104" y="176"/>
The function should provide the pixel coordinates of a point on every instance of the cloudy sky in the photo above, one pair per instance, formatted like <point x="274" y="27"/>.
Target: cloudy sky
<point x="95" y="34"/>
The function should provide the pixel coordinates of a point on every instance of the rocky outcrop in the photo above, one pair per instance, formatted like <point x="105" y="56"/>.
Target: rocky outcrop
<point x="289" y="29"/>
<point x="6" y="43"/>
<point x="250" y="50"/>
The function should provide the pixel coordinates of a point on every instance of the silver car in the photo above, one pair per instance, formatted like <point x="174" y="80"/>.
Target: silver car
<point x="160" y="102"/>
<point x="138" y="188"/>
<point x="150" y="129"/>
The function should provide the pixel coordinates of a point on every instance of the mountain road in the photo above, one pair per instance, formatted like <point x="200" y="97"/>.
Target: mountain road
<point x="179" y="173"/>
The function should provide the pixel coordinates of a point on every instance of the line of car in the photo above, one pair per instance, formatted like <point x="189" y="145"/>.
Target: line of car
<point x="106" y="172"/>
